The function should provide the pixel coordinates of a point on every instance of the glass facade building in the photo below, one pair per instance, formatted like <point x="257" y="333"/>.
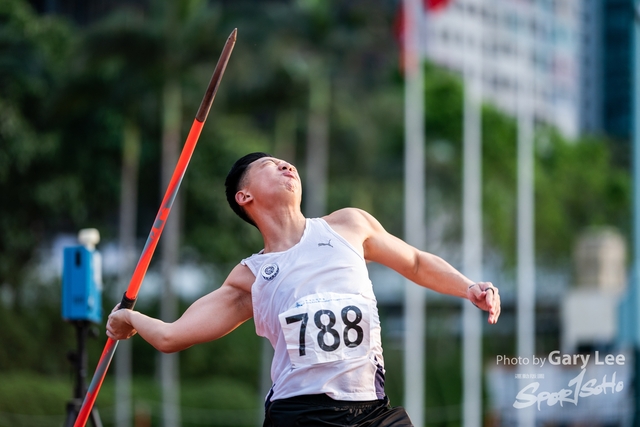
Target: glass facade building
<point x="570" y="59"/>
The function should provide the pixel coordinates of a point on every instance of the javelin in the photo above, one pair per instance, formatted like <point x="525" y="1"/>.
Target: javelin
<point x="129" y="297"/>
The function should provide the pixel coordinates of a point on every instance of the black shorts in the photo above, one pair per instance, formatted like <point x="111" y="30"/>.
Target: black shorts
<point x="321" y="410"/>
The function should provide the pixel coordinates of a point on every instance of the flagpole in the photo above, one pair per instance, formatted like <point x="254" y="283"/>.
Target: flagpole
<point x="414" y="211"/>
<point x="526" y="294"/>
<point x="472" y="225"/>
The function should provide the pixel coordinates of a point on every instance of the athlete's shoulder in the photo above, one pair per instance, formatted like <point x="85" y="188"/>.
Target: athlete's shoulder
<point x="347" y="214"/>
<point x="241" y="278"/>
<point x="353" y="218"/>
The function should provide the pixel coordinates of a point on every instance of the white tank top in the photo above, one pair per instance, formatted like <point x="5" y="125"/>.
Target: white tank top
<point x="314" y="302"/>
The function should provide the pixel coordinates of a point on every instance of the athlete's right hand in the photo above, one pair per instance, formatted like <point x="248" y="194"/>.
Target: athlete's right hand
<point x="118" y="325"/>
<point x="486" y="297"/>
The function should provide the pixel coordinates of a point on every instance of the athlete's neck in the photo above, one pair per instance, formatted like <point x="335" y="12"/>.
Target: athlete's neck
<point x="281" y="232"/>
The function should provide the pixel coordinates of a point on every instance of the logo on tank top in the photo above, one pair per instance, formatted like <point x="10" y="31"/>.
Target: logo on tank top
<point x="325" y="244"/>
<point x="269" y="271"/>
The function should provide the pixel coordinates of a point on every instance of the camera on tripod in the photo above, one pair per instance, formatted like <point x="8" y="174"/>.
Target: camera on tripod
<point x="82" y="279"/>
<point x="81" y="306"/>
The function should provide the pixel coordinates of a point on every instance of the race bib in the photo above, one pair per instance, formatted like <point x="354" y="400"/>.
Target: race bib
<point x="327" y="327"/>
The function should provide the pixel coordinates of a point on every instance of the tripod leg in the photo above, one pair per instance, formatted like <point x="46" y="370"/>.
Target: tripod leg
<point x="79" y="360"/>
<point x="95" y="417"/>
<point x="72" y="413"/>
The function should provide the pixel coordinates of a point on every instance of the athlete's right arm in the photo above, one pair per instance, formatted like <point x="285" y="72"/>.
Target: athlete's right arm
<point x="209" y="318"/>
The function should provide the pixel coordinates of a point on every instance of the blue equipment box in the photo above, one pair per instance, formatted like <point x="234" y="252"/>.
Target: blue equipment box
<point x="81" y="284"/>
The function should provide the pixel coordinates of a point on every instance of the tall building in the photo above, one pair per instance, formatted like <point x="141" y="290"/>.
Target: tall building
<point x="592" y="67"/>
<point x="571" y="59"/>
<point x="606" y="61"/>
<point x="617" y="31"/>
<point x="529" y="48"/>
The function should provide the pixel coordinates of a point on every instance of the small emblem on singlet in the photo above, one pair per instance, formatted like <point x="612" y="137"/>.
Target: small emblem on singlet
<point x="326" y="244"/>
<point x="269" y="271"/>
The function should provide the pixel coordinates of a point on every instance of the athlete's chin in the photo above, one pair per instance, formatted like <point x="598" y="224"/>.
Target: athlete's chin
<point x="292" y="187"/>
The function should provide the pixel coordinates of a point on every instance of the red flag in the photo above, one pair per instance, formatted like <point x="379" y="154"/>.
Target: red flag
<point x="435" y="5"/>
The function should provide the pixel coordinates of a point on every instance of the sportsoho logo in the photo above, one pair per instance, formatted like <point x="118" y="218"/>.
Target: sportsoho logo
<point x="566" y="379"/>
<point x="269" y="271"/>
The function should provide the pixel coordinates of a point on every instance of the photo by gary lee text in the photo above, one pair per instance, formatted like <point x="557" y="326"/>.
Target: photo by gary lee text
<point x="557" y="358"/>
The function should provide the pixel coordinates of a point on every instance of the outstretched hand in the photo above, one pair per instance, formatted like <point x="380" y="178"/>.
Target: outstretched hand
<point x="118" y="328"/>
<point x="486" y="297"/>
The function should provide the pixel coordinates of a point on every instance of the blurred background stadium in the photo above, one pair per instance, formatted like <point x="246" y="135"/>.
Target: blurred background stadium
<point x="524" y="111"/>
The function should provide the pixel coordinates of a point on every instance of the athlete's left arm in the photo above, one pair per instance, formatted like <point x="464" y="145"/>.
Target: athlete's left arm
<point x="421" y="267"/>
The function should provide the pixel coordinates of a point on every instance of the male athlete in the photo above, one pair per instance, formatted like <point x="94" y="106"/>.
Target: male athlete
<point x="309" y="293"/>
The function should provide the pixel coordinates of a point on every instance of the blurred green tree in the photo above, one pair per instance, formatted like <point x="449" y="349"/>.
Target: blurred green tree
<point x="564" y="169"/>
<point x="71" y="99"/>
<point x="37" y="196"/>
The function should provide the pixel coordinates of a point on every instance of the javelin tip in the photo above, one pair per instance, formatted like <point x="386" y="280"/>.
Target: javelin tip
<point x="203" y="111"/>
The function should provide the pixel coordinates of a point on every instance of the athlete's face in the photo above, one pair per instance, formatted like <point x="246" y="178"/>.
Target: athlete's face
<point x="269" y="174"/>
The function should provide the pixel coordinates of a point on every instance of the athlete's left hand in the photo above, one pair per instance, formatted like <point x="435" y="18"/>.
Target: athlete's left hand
<point x="486" y="297"/>
<point x="118" y="328"/>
